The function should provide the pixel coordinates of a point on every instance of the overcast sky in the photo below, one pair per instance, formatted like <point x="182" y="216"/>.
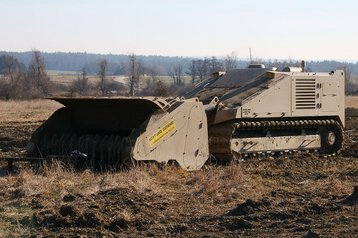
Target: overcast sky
<point x="280" y="29"/>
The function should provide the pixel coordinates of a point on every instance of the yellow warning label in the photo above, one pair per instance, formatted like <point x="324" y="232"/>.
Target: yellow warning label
<point x="163" y="131"/>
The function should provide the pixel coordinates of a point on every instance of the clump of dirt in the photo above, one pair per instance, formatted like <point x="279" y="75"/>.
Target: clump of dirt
<point x="311" y="234"/>
<point x="351" y="199"/>
<point x="113" y="211"/>
<point x="69" y="198"/>
<point x="237" y="224"/>
<point x="249" y="207"/>
<point x="118" y="224"/>
<point x="297" y="213"/>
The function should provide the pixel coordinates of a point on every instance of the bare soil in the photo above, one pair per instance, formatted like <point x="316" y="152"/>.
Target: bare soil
<point x="303" y="195"/>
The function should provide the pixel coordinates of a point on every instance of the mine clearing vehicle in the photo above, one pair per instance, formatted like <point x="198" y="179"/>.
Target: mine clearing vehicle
<point x="232" y="115"/>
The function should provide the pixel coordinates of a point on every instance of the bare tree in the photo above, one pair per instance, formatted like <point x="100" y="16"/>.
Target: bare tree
<point x="351" y="85"/>
<point x="161" y="89"/>
<point x="81" y="84"/>
<point x="153" y="73"/>
<point x="12" y="84"/>
<point x="9" y="66"/>
<point x="231" y="61"/>
<point x="172" y="74"/>
<point x="134" y="71"/>
<point x="193" y="70"/>
<point x="17" y="78"/>
<point x="37" y="80"/>
<point x="203" y="68"/>
<point x="178" y="72"/>
<point x="215" y="65"/>
<point x="103" y="67"/>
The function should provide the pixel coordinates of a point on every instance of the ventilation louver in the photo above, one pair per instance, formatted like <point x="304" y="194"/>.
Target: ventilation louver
<point x="305" y="93"/>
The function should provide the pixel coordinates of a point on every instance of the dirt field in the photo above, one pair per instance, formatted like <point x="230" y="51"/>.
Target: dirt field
<point x="352" y="101"/>
<point x="301" y="196"/>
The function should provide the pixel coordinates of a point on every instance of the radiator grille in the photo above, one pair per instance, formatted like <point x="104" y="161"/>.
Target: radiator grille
<point x="305" y="93"/>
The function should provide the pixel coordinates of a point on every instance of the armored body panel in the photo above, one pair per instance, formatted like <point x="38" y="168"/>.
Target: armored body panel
<point x="254" y="111"/>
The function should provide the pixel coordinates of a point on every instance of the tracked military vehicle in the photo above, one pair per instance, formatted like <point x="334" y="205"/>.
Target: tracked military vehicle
<point x="243" y="112"/>
<point x="257" y="111"/>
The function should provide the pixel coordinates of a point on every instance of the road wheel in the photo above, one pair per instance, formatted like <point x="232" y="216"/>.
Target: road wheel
<point x="331" y="139"/>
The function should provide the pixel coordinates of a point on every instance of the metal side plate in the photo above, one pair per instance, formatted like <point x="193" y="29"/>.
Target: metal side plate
<point x="279" y="143"/>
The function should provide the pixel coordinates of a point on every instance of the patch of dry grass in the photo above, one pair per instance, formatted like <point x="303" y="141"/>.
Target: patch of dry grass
<point x="226" y="183"/>
<point x="327" y="186"/>
<point x="352" y="101"/>
<point x="212" y="185"/>
<point x="219" y="184"/>
<point x="26" y="111"/>
<point x="56" y="181"/>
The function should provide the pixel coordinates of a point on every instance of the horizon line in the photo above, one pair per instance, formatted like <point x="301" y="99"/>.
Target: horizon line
<point x="182" y="56"/>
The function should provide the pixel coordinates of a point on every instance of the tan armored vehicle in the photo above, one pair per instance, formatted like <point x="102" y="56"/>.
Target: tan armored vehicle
<point x="235" y="114"/>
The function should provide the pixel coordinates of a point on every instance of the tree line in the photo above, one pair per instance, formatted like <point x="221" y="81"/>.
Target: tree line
<point x="117" y="63"/>
<point x="30" y="79"/>
<point x="22" y="83"/>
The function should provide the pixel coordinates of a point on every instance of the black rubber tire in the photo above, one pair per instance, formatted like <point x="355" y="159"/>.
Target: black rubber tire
<point x="327" y="145"/>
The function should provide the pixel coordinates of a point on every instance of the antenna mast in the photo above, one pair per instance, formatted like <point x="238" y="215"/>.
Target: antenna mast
<point x="250" y="55"/>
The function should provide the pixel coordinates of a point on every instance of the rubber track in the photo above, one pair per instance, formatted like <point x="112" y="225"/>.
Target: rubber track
<point x="221" y="134"/>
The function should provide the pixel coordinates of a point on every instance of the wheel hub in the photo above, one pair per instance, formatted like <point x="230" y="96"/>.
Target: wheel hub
<point x="331" y="138"/>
